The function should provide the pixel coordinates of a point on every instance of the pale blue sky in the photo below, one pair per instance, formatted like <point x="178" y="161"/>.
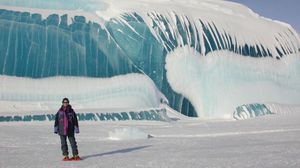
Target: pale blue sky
<point x="283" y="10"/>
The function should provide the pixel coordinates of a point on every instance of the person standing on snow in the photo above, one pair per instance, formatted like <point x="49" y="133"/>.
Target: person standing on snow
<point x="65" y="125"/>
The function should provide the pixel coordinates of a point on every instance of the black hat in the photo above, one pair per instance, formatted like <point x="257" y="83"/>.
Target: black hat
<point x="65" y="99"/>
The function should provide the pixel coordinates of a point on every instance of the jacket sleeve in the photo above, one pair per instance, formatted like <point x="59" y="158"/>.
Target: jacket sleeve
<point x="75" y="120"/>
<point x="56" y="124"/>
<point x="56" y="120"/>
<point x="76" y="126"/>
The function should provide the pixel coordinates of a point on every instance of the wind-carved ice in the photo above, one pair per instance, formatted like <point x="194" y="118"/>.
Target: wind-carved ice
<point x="236" y="56"/>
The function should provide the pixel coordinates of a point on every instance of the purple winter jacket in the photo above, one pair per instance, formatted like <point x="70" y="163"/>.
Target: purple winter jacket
<point x="66" y="122"/>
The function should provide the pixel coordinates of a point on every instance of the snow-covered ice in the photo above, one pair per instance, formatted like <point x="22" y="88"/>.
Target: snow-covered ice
<point x="119" y="92"/>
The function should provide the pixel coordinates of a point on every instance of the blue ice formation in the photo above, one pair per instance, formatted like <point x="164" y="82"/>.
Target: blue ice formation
<point x="38" y="45"/>
<point x="250" y="111"/>
<point x="152" y="114"/>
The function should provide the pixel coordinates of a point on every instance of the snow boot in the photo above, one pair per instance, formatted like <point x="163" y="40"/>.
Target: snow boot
<point x="66" y="158"/>
<point x="76" y="158"/>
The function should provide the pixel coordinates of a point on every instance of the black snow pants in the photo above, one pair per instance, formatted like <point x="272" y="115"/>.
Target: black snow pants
<point x="64" y="145"/>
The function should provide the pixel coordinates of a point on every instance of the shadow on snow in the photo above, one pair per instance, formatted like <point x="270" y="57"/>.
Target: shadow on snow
<point x="115" y="152"/>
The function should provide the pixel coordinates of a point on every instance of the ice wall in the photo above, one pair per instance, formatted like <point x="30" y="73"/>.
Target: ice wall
<point x="105" y="38"/>
<point x="221" y="81"/>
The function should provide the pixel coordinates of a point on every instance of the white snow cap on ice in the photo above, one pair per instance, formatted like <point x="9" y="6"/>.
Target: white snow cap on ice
<point x="227" y="18"/>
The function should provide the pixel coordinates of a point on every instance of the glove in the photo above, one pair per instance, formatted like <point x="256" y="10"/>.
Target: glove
<point x="56" y="129"/>
<point x="76" y="130"/>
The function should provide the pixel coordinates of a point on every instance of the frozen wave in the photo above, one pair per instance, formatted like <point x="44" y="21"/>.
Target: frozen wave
<point x="218" y="83"/>
<point x="105" y="38"/>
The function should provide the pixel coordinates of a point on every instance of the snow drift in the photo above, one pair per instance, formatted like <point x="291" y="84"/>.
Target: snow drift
<point x="131" y="91"/>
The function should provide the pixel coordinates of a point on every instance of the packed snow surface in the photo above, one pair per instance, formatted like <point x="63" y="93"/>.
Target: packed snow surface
<point x="127" y="133"/>
<point x="265" y="142"/>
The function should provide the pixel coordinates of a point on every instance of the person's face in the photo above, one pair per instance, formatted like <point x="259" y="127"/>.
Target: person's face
<point x="65" y="103"/>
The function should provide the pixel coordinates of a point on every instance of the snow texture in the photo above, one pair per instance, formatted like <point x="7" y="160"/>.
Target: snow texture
<point x="127" y="133"/>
